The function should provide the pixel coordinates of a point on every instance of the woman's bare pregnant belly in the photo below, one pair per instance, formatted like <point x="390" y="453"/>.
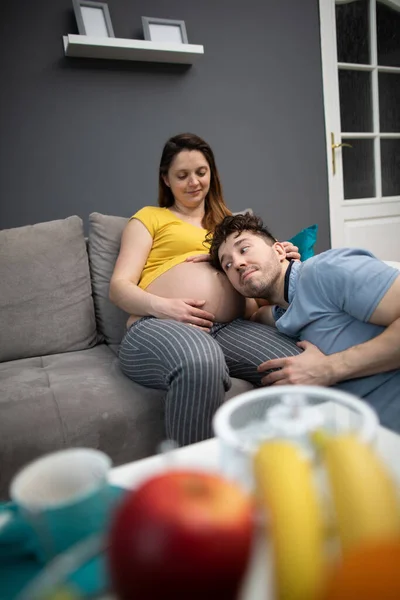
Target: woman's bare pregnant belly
<point x="200" y="281"/>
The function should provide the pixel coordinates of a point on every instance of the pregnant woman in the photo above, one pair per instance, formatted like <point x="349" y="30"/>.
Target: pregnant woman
<point x="187" y="333"/>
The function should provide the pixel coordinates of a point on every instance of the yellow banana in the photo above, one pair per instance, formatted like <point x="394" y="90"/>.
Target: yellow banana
<point x="363" y="492"/>
<point x="286" y="490"/>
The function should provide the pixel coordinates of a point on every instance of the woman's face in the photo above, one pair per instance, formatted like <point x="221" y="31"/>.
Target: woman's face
<point x="189" y="178"/>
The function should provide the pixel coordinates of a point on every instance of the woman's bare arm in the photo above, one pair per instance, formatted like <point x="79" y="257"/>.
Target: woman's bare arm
<point x="136" y="244"/>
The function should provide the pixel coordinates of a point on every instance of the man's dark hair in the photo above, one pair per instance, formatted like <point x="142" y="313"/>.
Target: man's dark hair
<point x="236" y="224"/>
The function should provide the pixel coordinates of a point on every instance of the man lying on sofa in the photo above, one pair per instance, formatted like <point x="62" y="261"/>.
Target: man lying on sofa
<point x="343" y="305"/>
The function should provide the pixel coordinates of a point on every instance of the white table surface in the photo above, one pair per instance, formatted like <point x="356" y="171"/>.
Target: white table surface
<point x="205" y="455"/>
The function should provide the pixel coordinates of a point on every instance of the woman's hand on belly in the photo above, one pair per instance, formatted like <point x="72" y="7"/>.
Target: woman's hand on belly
<point x="185" y="310"/>
<point x="200" y="281"/>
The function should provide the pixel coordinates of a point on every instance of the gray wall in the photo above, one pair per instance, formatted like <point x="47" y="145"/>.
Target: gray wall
<point x="83" y="135"/>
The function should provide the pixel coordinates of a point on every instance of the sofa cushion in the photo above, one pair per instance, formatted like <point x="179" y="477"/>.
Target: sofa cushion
<point x="74" y="399"/>
<point x="305" y="241"/>
<point x="104" y="241"/>
<point x="77" y="399"/>
<point x="46" y="301"/>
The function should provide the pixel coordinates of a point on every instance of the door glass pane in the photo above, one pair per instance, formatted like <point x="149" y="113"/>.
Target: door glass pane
<point x="352" y="31"/>
<point x="388" y="33"/>
<point x="358" y="169"/>
<point x="355" y="101"/>
<point x="390" y="157"/>
<point x="389" y="102"/>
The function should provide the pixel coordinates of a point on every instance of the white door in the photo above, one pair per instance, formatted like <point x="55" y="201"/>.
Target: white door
<point x="360" y="42"/>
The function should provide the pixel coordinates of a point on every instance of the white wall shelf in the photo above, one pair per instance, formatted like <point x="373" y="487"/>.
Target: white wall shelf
<point x="124" y="49"/>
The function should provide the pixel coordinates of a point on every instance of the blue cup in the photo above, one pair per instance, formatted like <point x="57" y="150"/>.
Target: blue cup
<point x="62" y="497"/>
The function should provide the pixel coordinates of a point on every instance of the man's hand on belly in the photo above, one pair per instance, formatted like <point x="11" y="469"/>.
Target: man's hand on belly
<point x="185" y="310"/>
<point x="311" y="367"/>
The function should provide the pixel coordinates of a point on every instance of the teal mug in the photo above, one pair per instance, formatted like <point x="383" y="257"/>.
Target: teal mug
<point x="60" y="499"/>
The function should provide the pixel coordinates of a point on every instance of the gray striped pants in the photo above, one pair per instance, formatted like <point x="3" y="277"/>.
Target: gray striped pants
<point x="195" y="367"/>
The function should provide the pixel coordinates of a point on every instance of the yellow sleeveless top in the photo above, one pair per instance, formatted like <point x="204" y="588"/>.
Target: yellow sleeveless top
<point x="173" y="241"/>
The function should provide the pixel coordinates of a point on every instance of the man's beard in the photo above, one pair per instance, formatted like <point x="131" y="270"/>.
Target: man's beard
<point x="263" y="288"/>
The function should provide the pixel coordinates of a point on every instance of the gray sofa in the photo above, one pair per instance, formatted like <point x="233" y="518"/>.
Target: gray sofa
<point x="60" y="383"/>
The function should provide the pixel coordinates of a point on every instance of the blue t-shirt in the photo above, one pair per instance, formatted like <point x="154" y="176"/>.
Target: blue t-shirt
<point x="331" y="298"/>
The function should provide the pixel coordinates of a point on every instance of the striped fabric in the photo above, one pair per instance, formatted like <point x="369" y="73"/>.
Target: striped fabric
<point x="195" y="367"/>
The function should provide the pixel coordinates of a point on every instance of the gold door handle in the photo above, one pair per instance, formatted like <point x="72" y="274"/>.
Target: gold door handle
<point x="333" y="148"/>
<point x="340" y="145"/>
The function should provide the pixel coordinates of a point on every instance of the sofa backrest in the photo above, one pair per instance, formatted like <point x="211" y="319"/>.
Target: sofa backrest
<point x="105" y="233"/>
<point x="46" y="302"/>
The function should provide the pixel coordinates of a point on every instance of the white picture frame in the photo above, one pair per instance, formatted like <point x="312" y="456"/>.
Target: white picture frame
<point x="93" y="18"/>
<point x="164" y="31"/>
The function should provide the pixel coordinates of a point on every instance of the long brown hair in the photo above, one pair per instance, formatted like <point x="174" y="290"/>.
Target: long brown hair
<point x="215" y="207"/>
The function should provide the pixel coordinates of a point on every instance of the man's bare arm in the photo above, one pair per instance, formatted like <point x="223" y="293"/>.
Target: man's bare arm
<point x="378" y="355"/>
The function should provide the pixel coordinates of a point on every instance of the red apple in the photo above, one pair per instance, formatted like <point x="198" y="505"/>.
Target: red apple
<point x="183" y="535"/>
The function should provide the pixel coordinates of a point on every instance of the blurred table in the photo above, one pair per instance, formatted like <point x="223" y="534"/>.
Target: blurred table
<point x="205" y="456"/>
